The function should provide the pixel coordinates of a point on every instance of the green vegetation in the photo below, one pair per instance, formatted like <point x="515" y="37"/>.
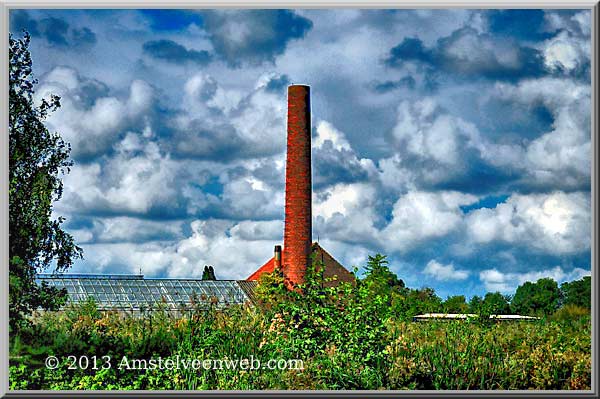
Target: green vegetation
<point x="578" y="292"/>
<point x="354" y="336"/>
<point x="37" y="159"/>
<point x="542" y="297"/>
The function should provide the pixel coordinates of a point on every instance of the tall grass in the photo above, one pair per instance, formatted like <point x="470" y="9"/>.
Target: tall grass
<point x="343" y="348"/>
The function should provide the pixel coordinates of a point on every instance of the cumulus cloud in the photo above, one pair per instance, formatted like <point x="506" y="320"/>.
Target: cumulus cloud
<point x="565" y="52"/>
<point x="253" y="36"/>
<point x="346" y="212"/>
<point x="426" y="132"/>
<point x="420" y="216"/>
<point x="246" y="196"/>
<point x="557" y="223"/>
<point x="435" y="145"/>
<point x="223" y="124"/>
<point x="560" y="157"/>
<point x="577" y="22"/>
<point x="88" y="118"/>
<point x="334" y="160"/>
<point x="495" y="280"/>
<point x="444" y="272"/>
<point x="395" y="170"/>
<point x="225" y="245"/>
<point x="175" y="53"/>
<point x="230" y="247"/>
<point x="139" y="179"/>
<point x="467" y="52"/>
<point x="56" y="31"/>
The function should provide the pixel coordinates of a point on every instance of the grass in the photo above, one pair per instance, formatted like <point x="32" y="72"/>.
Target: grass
<point x="340" y="350"/>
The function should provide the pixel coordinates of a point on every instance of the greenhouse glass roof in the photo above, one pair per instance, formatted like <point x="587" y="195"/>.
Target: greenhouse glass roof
<point x="136" y="292"/>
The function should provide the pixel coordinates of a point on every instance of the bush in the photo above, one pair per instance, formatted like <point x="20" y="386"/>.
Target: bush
<point x="571" y="313"/>
<point x="348" y="337"/>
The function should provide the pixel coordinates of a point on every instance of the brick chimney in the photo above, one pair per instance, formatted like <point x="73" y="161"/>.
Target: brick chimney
<point x="297" y="235"/>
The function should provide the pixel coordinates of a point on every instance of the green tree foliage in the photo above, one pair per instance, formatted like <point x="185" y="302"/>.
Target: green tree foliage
<point x="379" y="275"/>
<point x="475" y="304"/>
<point x="346" y="336"/>
<point x="208" y="273"/>
<point x="456" y="304"/>
<point x="495" y="303"/>
<point x="412" y="302"/>
<point x="578" y="292"/>
<point x="314" y="319"/>
<point x="403" y="302"/>
<point x="37" y="159"/>
<point x="540" y="298"/>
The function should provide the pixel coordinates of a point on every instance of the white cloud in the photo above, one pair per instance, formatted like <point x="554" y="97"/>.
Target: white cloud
<point x="419" y="216"/>
<point x="335" y="161"/>
<point x="205" y="99"/>
<point x="467" y="51"/>
<point x="434" y="138"/>
<point x="88" y="120"/>
<point x="584" y="21"/>
<point x="227" y="114"/>
<point x="495" y="280"/>
<point x="443" y="272"/>
<point x="327" y="132"/>
<point x="565" y="51"/>
<point x="137" y="178"/>
<point x="556" y="223"/>
<point x="346" y="212"/>
<point x="392" y="174"/>
<point x="342" y="199"/>
<point x="225" y="123"/>
<point x="248" y="196"/>
<point x="577" y="24"/>
<point x="560" y="157"/>
<point x="226" y="245"/>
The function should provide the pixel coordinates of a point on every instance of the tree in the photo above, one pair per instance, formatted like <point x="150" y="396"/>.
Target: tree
<point x="378" y="273"/>
<point x="496" y="303"/>
<point x="456" y="304"/>
<point x="37" y="158"/>
<point x="475" y="304"/>
<point x="541" y="297"/>
<point x="411" y="302"/>
<point x="578" y="292"/>
<point x="208" y="273"/>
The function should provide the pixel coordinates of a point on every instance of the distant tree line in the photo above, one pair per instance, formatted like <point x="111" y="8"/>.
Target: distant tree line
<point x="543" y="297"/>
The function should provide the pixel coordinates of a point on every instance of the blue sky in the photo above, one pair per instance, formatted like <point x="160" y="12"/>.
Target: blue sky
<point x="456" y="142"/>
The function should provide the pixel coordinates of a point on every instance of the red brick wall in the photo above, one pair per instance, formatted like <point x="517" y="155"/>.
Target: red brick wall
<point x="297" y="236"/>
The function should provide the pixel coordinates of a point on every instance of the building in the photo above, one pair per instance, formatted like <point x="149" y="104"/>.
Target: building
<point x="334" y="272"/>
<point x="134" y="292"/>
<point x="471" y="316"/>
<point x="298" y="247"/>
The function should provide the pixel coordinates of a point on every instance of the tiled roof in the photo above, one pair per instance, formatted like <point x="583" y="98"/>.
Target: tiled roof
<point x="332" y="267"/>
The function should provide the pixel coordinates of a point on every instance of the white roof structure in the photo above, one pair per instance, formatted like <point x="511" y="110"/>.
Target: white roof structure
<point x="464" y="316"/>
<point x="134" y="292"/>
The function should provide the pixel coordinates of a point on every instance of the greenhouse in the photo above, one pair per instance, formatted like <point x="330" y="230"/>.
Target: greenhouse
<point x="136" y="293"/>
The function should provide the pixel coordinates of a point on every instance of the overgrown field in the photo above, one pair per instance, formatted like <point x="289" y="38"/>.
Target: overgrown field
<point x="350" y="337"/>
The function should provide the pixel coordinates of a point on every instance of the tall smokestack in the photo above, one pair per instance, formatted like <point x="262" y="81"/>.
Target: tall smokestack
<point x="297" y="235"/>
